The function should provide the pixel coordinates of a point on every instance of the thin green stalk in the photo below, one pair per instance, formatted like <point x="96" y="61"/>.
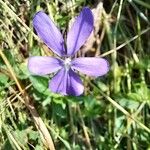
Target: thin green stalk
<point x="125" y="43"/>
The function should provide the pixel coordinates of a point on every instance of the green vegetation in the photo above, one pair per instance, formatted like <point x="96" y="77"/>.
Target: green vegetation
<point x="113" y="113"/>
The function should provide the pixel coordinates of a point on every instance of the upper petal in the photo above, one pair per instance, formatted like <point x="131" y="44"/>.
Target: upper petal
<point x="49" y="33"/>
<point x="42" y="65"/>
<point x="80" y="31"/>
<point x="91" y="66"/>
<point x="66" y="83"/>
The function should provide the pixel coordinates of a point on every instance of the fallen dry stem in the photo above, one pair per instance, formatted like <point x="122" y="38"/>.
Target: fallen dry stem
<point x="37" y="119"/>
<point x="119" y="107"/>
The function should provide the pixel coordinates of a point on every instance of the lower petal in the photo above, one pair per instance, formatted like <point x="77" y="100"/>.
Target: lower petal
<point x="75" y="86"/>
<point x="66" y="83"/>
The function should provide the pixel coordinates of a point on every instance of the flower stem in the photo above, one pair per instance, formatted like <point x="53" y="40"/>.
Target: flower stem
<point x="84" y="129"/>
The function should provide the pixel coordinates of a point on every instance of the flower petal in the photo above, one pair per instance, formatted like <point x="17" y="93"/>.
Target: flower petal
<point x="42" y="65"/>
<point x="66" y="83"/>
<point x="80" y="31"/>
<point x="91" y="66"/>
<point x="49" y="33"/>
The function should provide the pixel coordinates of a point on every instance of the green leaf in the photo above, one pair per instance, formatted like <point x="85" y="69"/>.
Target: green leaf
<point x="33" y="135"/>
<point x="92" y="107"/>
<point x="22" y="71"/>
<point x="130" y="102"/>
<point x="3" y="79"/>
<point x="59" y="110"/>
<point x="38" y="147"/>
<point x="7" y="145"/>
<point x="9" y="57"/>
<point x="36" y="51"/>
<point x="21" y="137"/>
<point x="134" y="96"/>
<point x="39" y="83"/>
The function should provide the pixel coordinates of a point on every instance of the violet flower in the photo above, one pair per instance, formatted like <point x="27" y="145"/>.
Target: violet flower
<point x="66" y="81"/>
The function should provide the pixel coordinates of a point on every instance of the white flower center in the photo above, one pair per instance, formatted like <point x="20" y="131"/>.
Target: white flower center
<point x="67" y="63"/>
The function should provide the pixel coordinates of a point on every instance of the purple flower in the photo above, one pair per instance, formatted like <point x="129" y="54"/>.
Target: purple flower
<point x="66" y="81"/>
